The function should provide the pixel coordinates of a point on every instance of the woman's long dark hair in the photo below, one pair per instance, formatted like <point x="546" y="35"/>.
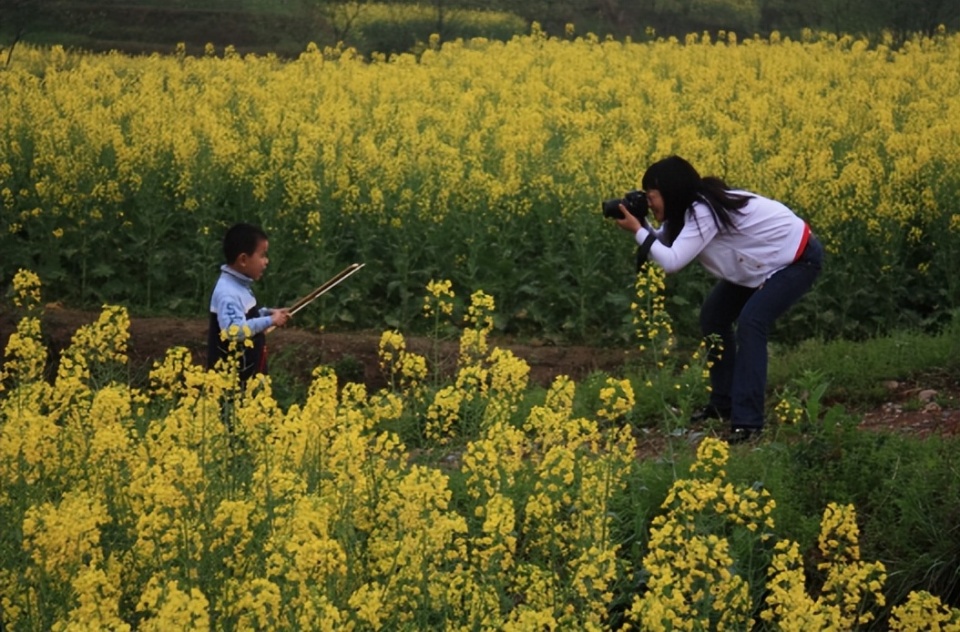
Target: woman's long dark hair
<point x="680" y="185"/>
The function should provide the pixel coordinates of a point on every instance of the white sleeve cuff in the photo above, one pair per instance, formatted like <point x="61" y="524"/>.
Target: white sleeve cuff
<point x="641" y="235"/>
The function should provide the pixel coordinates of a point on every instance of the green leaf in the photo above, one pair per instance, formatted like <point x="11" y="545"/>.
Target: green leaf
<point x="101" y="271"/>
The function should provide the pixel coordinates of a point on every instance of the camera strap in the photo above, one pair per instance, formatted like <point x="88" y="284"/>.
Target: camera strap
<point x="644" y="250"/>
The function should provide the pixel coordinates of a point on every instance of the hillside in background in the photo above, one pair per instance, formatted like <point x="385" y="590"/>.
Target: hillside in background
<point x="287" y="27"/>
<point x="147" y="29"/>
<point x="249" y="27"/>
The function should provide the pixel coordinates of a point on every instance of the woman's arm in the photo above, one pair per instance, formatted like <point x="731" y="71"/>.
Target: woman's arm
<point x="697" y="232"/>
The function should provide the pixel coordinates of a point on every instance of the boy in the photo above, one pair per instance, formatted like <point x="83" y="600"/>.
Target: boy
<point x="232" y="303"/>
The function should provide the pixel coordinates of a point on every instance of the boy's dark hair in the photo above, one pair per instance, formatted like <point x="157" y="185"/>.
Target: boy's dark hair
<point x="241" y="239"/>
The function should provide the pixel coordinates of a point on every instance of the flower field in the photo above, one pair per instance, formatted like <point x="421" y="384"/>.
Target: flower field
<point x="185" y="500"/>
<point x="195" y="503"/>
<point x="483" y="162"/>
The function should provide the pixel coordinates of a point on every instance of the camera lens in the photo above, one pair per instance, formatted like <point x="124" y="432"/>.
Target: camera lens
<point x="611" y="208"/>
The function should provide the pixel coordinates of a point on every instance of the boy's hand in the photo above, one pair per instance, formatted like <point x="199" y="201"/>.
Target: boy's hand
<point x="279" y="317"/>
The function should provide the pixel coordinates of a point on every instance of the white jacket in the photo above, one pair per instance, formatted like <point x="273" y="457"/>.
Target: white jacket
<point x="765" y="238"/>
<point x="233" y="301"/>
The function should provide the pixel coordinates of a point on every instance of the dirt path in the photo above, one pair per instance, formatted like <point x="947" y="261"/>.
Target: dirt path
<point x="914" y="408"/>
<point x="303" y="350"/>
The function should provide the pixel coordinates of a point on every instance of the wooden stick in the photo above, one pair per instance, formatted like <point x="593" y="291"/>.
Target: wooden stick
<point x="321" y="290"/>
<point x="324" y="288"/>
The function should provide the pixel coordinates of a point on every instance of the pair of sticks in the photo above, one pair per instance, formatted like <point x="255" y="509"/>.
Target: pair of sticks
<point x="322" y="289"/>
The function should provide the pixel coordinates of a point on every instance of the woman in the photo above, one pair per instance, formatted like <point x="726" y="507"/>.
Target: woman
<point x="764" y="257"/>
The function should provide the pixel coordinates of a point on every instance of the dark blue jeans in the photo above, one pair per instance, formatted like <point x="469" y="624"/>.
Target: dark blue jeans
<point x="738" y="376"/>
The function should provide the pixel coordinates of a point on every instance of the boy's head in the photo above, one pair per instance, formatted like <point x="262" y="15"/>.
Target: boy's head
<point x="245" y="249"/>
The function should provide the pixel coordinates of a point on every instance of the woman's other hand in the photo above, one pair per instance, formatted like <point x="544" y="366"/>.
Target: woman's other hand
<point x="629" y="223"/>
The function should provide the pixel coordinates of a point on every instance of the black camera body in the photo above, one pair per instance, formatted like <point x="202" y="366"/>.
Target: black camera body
<point x="634" y="201"/>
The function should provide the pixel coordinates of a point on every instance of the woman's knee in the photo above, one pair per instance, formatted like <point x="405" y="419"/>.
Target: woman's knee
<point x="752" y="324"/>
<point x="711" y="325"/>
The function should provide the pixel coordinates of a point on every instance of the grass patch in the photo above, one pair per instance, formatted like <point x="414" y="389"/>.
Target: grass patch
<point x="856" y="370"/>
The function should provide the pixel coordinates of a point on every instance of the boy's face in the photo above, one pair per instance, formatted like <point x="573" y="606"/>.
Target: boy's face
<point x="253" y="265"/>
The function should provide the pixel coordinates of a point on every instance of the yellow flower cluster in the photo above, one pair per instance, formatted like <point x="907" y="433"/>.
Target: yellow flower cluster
<point x="406" y="371"/>
<point x="577" y="470"/>
<point x="26" y="355"/>
<point x="497" y="547"/>
<point x="616" y="399"/>
<point x="849" y="580"/>
<point x="693" y="581"/>
<point x="443" y="415"/>
<point x="165" y="606"/>
<point x="175" y="376"/>
<point x="26" y="290"/>
<point x="479" y="321"/>
<point x="651" y="321"/>
<point x="924" y="612"/>
<point x="508" y="377"/>
<point x="98" y="601"/>
<point x="199" y="504"/>
<point x="257" y="605"/>
<point x="106" y="339"/>
<point x="439" y="299"/>
<point x="788" y="411"/>
<point x="488" y="385"/>
<point x="25" y="352"/>
<point x="63" y="537"/>
<point x="843" y="602"/>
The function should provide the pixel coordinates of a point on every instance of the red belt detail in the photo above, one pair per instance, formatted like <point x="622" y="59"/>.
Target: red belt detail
<point x="263" y="359"/>
<point x="803" y="241"/>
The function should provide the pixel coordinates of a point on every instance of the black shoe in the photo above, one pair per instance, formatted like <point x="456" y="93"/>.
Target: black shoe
<point x="743" y="434"/>
<point x="709" y="412"/>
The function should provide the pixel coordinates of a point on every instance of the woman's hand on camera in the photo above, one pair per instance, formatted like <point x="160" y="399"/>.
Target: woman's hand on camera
<point x="629" y="222"/>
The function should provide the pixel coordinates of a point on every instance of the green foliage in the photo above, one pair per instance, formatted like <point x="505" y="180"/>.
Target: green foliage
<point x="741" y="16"/>
<point x="856" y="370"/>
<point x="393" y="29"/>
<point x="905" y="491"/>
<point x="349" y="369"/>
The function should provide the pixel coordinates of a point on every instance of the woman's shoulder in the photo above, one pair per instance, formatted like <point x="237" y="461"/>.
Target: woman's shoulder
<point x="760" y="200"/>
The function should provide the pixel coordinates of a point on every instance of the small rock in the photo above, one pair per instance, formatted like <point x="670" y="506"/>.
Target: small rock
<point x="932" y="407"/>
<point x="891" y="385"/>
<point x="927" y="395"/>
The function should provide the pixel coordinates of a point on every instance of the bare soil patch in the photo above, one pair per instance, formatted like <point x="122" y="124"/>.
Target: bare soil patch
<point x="920" y="408"/>
<point x="302" y="350"/>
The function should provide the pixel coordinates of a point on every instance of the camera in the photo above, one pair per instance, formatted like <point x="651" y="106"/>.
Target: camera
<point x="634" y="201"/>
